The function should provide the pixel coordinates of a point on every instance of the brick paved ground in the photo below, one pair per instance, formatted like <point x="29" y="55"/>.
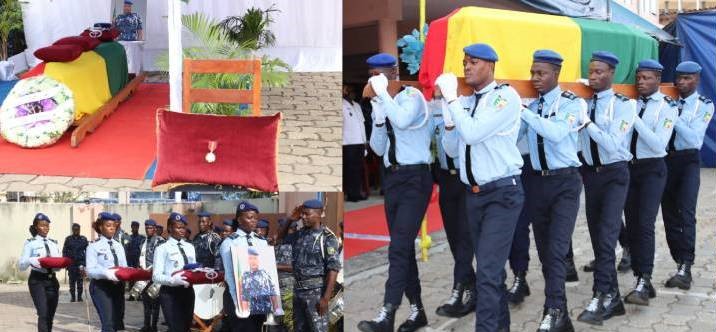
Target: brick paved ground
<point x="672" y="310"/>
<point x="309" y="145"/>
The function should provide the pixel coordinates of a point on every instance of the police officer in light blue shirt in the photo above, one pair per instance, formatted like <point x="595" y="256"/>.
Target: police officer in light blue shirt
<point x="43" y="285"/>
<point x="401" y="135"/>
<point x="452" y="210"/>
<point x="678" y="204"/>
<point x="606" y="180"/>
<point x="551" y="124"/>
<point x="176" y="296"/>
<point x="247" y="217"/>
<point x="103" y="256"/>
<point x="485" y="135"/>
<point x="647" y="143"/>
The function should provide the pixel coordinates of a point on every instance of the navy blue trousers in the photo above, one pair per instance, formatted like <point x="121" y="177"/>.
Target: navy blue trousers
<point x="605" y="194"/>
<point x="44" y="290"/>
<point x="553" y="209"/>
<point x="177" y="305"/>
<point x="492" y="216"/>
<point x="678" y="204"/>
<point x="407" y="194"/>
<point x="108" y="299"/>
<point x="452" y="210"/>
<point x="647" y="179"/>
<point x="520" y="252"/>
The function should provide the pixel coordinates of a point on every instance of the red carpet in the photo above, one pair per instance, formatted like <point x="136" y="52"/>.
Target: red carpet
<point x="365" y="224"/>
<point x="122" y="147"/>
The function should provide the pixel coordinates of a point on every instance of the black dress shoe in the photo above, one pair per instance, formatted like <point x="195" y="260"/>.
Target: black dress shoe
<point x="516" y="294"/>
<point x="79" y="299"/>
<point x="383" y="322"/>
<point x="416" y="319"/>
<point x="593" y="313"/>
<point x="572" y="275"/>
<point x="469" y="301"/>
<point x="682" y="278"/>
<point x="643" y="291"/>
<point x="625" y="262"/>
<point x="613" y="306"/>
<point x="555" y="320"/>
<point x="454" y="306"/>
<point x="589" y="267"/>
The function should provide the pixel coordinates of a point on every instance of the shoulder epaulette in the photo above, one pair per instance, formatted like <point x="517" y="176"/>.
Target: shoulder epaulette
<point x="705" y="99"/>
<point x="500" y="86"/>
<point x="569" y="95"/>
<point x="670" y="101"/>
<point x="53" y="240"/>
<point x="621" y="97"/>
<point x="233" y="236"/>
<point x="28" y="240"/>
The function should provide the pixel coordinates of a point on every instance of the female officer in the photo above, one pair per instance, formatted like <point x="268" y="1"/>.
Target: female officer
<point x="43" y="284"/>
<point x="176" y="296"/>
<point x="103" y="257"/>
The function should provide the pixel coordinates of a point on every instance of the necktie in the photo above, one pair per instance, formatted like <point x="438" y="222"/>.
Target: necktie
<point x="114" y="253"/>
<point x="635" y="134"/>
<point x="468" y="161"/>
<point x="47" y="249"/>
<point x="183" y="254"/>
<point x="248" y="240"/>
<point x="673" y="133"/>
<point x="391" y="149"/>
<point x="540" y="139"/>
<point x="592" y="144"/>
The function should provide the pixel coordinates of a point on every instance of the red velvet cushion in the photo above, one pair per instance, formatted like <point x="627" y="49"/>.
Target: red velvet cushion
<point x="35" y="71"/>
<point x="132" y="274"/>
<point x="246" y="150"/>
<point x="59" y="53"/>
<point x="87" y="43"/>
<point x="201" y="277"/>
<point x="106" y="35"/>
<point x="55" y="262"/>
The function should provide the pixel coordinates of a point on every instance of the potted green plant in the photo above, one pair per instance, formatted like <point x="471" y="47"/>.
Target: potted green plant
<point x="10" y="20"/>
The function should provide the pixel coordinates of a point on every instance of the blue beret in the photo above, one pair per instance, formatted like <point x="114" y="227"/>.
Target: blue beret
<point x="649" y="64"/>
<point x="75" y="225"/>
<point x="263" y="223"/>
<point x="313" y="204"/>
<point x="382" y="60"/>
<point x="116" y="217"/>
<point x="128" y="2"/>
<point x="106" y="216"/>
<point x="228" y="222"/>
<point x="481" y="51"/>
<point x="245" y="206"/>
<point x="135" y="223"/>
<point x="218" y="229"/>
<point x="253" y="251"/>
<point x="150" y="222"/>
<point x="203" y="214"/>
<point x="547" y="56"/>
<point x="688" y="67"/>
<point x="178" y="217"/>
<point x="41" y="217"/>
<point x="606" y="57"/>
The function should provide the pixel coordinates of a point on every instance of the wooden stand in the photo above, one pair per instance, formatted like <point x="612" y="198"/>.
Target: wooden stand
<point x="207" y="328"/>
<point x="90" y="122"/>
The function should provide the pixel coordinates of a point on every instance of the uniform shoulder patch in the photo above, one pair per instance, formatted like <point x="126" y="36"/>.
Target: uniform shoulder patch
<point x="500" y="86"/>
<point x="705" y="99"/>
<point x="621" y="97"/>
<point x="670" y="101"/>
<point x="28" y="240"/>
<point x="53" y="240"/>
<point x="569" y="95"/>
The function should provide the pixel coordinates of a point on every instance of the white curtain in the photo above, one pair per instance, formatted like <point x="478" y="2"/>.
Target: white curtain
<point x="46" y="21"/>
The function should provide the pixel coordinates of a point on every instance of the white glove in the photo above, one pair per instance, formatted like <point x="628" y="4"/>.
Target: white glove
<point x="111" y="274"/>
<point x="179" y="280"/>
<point x="279" y="312"/>
<point x="447" y="116"/>
<point x="447" y="82"/>
<point x="378" y="114"/>
<point x="584" y="117"/>
<point x="379" y="83"/>
<point x="35" y="262"/>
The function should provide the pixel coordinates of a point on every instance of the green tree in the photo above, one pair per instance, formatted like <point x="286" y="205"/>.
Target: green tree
<point x="10" y="20"/>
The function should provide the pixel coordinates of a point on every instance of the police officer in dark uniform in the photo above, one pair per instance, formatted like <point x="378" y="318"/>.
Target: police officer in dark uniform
<point x="74" y="248"/>
<point x="206" y="243"/>
<point x="649" y="138"/>
<point x="257" y="287"/>
<point x="133" y="250"/>
<point x="44" y="288"/>
<point x="678" y="205"/>
<point x="316" y="263"/>
<point x="262" y="228"/>
<point x="146" y="261"/>
<point x="401" y="135"/>
<point x="551" y="124"/>
<point x="606" y="181"/>
<point x="485" y="138"/>
<point x="452" y="210"/>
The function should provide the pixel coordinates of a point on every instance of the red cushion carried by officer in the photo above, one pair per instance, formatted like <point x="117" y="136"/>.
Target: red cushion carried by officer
<point x="55" y="262"/>
<point x="202" y="276"/>
<point x="133" y="274"/>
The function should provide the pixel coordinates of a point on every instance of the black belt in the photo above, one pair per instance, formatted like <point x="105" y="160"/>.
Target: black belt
<point x="559" y="171"/>
<point x="309" y="283"/>
<point x="645" y="160"/>
<point x="499" y="183"/>
<point x="677" y="153"/>
<point x="395" y="168"/>
<point x="602" y="168"/>
<point x="451" y="171"/>
<point x="43" y="275"/>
